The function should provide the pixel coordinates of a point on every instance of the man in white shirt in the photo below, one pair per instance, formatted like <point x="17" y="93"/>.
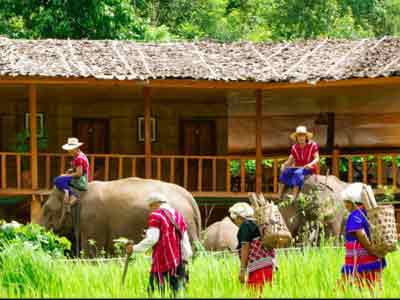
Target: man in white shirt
<point x="168" y="237"/>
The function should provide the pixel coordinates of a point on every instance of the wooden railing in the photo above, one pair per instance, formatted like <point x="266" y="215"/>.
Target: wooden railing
<point x="12" y="173"/>
<point x="102" y="166"/>
<point x="199" y="174"/>
<point x="380" y="169"/>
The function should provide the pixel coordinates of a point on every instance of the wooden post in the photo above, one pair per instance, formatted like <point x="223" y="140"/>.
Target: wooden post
<point x="350" y="172"/>
<point x="275" y="176"/>
<point x="200" y="175"/>
<point x="394" y="171"/>
<point x="335" y="162"/>
<point x="147" y="131"/>
<point x="35" y="204"/>
<point x="365" y="169"/>
<point x="242" y="175"/>
<point x="379" y="169"/>
<point x="330" y="136"/>
<point x="228" y="175"/>
<point x="259" y="154"/>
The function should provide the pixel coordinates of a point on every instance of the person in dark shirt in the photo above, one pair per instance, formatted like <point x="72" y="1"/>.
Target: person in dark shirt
<point x="255" y="261"/>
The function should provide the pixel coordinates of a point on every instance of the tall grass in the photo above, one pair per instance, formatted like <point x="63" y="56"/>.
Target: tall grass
<point x="310" y="273"/>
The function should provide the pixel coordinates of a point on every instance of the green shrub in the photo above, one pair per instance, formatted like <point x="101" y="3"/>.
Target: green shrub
<point x="35" y="234"/>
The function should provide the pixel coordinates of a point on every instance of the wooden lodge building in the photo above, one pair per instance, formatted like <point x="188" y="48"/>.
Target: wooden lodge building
<point x="212" y="117"/>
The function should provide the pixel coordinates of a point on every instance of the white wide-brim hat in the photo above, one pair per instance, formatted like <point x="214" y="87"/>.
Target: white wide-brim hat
<point x="241" y="209"/>
<point x="301" y="130"/>
<point x="72" y="143"/>
<point x="156" y="197"/>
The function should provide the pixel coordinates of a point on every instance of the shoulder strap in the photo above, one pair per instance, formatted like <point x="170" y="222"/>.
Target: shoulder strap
<point x="172" y="220"/>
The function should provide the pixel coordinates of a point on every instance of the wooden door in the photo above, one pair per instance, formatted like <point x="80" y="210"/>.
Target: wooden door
<point x="94" y="133"/>
<point x="198" y="138"/>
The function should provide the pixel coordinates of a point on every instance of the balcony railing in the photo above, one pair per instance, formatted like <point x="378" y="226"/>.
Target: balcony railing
<point x="206" y="175"/>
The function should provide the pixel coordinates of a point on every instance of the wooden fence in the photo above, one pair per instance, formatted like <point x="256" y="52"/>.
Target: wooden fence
<point x="206" y="175"/>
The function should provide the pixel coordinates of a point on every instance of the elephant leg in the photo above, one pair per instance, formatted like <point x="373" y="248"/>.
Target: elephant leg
<point x="335" y="229"/>
<point x="194" y="238"/>
<point x="85" y="244"/>
<point x="98" y="234"/>
<point x="76" y="227"/>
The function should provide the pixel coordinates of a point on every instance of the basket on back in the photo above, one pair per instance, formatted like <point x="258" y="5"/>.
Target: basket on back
<point x="272" y="226"/>
<point x="382" y="223"/>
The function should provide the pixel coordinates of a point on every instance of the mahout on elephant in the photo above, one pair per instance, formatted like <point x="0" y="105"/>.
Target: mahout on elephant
<point x="113" y="209"/>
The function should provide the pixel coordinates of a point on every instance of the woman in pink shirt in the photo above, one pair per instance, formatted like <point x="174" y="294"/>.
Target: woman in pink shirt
<point x="78" y="176"/>
<point x="303" y="160"/>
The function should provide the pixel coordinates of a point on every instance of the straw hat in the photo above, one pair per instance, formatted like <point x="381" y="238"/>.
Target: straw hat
<point x="241" y="209"/>
<point x="72" y="143"/>
<point x="156" y="198"/>
<point x="301" y="130"/>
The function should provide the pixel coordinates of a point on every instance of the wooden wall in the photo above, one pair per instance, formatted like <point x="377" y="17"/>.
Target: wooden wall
<point x="365" y="117"/>
<point x="120" y="105"/>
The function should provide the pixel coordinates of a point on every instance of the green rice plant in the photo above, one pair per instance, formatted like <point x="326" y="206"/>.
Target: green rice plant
<point x="310" y="273"/>
<point x="25" y="267"/>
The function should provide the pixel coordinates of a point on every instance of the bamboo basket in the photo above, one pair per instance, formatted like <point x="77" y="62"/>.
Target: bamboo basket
<point x="382" y="223"/>
<point x="272" y="226"/>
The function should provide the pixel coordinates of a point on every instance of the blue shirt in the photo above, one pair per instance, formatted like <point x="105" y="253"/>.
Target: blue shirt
<point x="356" y="221"/>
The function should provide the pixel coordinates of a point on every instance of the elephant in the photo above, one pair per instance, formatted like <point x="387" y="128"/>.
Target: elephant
<point x="114" y="209"/>
<point x="221" y="236"/>
<point x="322" y="204"/>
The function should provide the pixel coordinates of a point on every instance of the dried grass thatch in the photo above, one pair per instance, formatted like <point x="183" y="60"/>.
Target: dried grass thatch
<point x="301" y="61"/>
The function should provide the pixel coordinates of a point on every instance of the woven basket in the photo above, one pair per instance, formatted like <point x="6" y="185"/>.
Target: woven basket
<point x="383" y="230"/>
<point x="382" y="223"/>
<point x="272" y="226"/>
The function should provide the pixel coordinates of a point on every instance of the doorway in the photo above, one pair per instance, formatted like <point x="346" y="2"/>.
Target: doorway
<point x="198" y="137"/>
<point x="94" y="133"/>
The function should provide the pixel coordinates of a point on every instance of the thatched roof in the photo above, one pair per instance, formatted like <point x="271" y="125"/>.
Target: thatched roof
<point x="300" y="61"/>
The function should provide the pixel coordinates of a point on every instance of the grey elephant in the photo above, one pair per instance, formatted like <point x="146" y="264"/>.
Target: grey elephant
<point x="221" y="236"/>
<point x="114" y="209"/>
<point x="322" y="204"/>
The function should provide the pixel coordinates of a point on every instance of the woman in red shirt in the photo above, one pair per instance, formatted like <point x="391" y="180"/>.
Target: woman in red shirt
<point x="303" y="160"/>
<point x="78" y="176"/>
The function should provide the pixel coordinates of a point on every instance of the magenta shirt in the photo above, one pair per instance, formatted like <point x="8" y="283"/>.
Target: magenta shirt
<point x="166" y="252"/>
<point x="82" y="161"/>
<point x="305" y="155"/>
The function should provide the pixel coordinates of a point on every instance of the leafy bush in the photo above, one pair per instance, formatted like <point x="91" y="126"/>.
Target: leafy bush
<point x="35" y="235"/>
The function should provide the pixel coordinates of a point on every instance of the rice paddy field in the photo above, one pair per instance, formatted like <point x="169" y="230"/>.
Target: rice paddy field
<point x="308" y="273"/>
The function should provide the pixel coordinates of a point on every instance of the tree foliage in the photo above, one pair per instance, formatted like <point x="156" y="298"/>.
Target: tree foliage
<point x="224" y="20"/>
